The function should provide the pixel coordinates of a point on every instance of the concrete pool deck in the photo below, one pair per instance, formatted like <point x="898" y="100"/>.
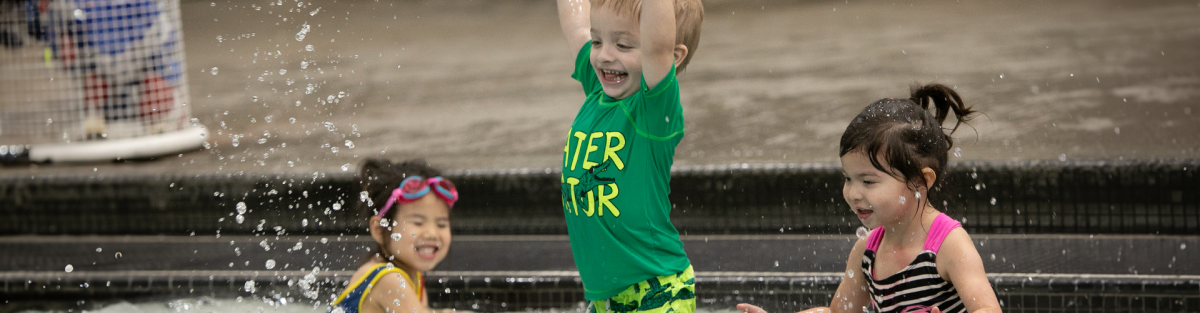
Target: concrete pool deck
<point x="484" y="84"/>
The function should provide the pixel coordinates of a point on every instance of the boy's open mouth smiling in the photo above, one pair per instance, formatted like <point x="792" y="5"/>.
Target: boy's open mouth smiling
<point x="611" y="77"/>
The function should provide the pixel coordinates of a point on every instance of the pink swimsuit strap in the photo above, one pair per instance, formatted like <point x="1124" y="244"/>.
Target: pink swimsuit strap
<point x="942" y="225"/>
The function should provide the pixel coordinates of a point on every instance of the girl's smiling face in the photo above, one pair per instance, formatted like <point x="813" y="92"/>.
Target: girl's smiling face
<point x="876" y="197"/>
<point x="419" y="238"/>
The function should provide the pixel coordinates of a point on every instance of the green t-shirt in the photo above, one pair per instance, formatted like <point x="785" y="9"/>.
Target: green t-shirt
<point x="616" y="176"/>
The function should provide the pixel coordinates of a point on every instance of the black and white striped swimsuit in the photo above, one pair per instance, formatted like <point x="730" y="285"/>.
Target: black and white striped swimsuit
<point x="918" y="287"/>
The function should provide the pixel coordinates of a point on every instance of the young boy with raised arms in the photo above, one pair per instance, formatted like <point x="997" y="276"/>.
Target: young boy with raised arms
<point x="619" y="150"/>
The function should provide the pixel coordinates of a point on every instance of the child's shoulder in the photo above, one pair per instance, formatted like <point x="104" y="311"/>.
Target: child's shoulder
<point x="394" y="292"/>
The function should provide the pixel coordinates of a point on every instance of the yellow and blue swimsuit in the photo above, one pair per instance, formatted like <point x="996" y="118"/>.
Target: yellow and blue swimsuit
<point x="352" y="298"/>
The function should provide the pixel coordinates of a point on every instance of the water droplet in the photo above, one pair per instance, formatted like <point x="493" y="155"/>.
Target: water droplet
<point x="918" y="195"/>
<point x="254" y="99"/>
<point x="396" y="237"/>
<point x="993" y="201"/>
<point x="957" y="152"/>
<point x="304" y="222"/>
<point x="383" y="223"/>
<point x="220" y="39"/>
<point x="270" y="264"/>
<point x="241" y="207"/>
<point x="117" y="255"/>
<point x="308" y="48"/>
<point x="341" y="94"/>
<point x="324" y="240"/>
<point x="292" y="120"/>
<point x="850" y="273"/>
<point x="335" y="150"/>
<point x="303" y="64"/>
<point x="314" y="12"/>
<point x="303" y="32"/>
<point x="282" y="71"/>
<point x="1182" y="246"/>
<point x="262" y="140"/>
<point x="266" y="246"/>
<point x="349" y="144"/>
<point x="862" y="232"/>
<point x="903" y="200"/>
<point x="70" y="268"/>
<point x="993" y="256"/>
<point x="234" y="142"/>
<point x="1062" y="157"/>
<point x="776" y="263"/>
<point x="396" y="302"/>
<point x="240" y="218"/>
<point x="291" y="164"/>
<point x="337" y="206"/>
<point x="345" y="167"/>
<point x="213" y="70"/>
<point x="338" y="310"/>
<point x="363" y="196"/>
<point x="250" y="286"/>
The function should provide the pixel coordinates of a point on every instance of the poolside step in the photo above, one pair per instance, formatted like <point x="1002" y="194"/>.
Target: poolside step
<point x="1144" y="197"/>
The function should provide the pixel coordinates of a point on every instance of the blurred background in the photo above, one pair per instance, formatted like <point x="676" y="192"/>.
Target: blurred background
<point x="1088" y="126"/>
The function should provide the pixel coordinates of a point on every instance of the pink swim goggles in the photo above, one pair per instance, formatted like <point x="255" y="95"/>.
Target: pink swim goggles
<point x="414" y="187"/>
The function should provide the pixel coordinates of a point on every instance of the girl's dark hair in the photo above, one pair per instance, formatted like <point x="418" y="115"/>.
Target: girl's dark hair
<point x="908" y="134"/>
<point x="378" y="177"/>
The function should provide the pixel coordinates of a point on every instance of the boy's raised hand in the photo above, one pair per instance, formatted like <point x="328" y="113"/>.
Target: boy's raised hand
<point x="657" y="39"/>
<point x="574" y="16"/>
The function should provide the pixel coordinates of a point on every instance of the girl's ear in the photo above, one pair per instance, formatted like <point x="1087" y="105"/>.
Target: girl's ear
<point x="930" y="177"/>
<point x="377" y="232"/>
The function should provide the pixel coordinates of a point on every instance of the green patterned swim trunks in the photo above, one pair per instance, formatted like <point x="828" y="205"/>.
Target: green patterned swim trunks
<point x="675" y="293"/>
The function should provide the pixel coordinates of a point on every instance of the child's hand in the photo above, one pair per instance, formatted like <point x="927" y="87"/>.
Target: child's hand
<point x="936" y="310"/>
<point x="750" y="308"/>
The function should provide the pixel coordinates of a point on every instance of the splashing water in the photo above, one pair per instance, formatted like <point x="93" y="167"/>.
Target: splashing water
<point x="270" y="264"/>
<point x="241" y="207"/>
<point x="303" y="32"/>
<point x="362" y="196"/>
<point x="250" y="286"/>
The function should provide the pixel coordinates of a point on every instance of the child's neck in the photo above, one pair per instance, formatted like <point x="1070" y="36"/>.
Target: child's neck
<point x="912" y="231"/>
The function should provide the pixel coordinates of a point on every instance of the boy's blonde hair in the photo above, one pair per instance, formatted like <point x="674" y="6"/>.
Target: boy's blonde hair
<point x="688" y="16"/>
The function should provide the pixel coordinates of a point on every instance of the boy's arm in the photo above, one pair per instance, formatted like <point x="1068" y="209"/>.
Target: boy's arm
<point x="964" y="268"/>
<point x="575" y="18"/>
<point x="657" y="40"/>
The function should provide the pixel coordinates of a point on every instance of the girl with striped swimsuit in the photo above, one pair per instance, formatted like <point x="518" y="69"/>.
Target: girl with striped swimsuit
<point x="916" y="259"/>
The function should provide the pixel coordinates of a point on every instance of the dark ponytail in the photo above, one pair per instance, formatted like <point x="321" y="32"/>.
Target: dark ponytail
<point x="906" y="134"/>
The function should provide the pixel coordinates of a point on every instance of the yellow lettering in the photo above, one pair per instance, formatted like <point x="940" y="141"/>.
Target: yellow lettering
<point x="610" y="151"/>
<point x="573" y="181"/>
<point x="567" y="149"/>
<point x="605" y="200"/>
<point x="591" y="148"/>
<point x="578" y="145"/>
<point x="591" y="208"/>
